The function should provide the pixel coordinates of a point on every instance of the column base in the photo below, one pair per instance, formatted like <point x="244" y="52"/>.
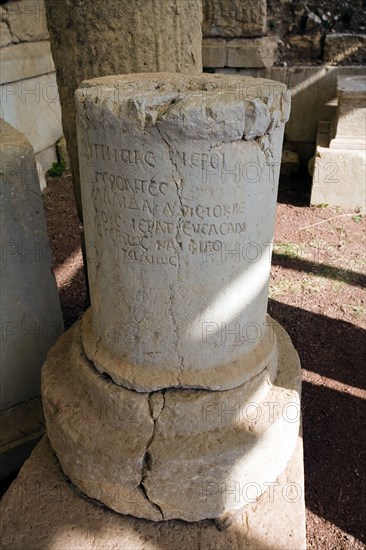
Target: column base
<point x="43" y="510"/>
<point x="172" y="454"/>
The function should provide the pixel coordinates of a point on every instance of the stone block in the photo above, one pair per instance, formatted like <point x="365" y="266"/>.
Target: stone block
<point x="44" y="161"/>
<point x="43" y="510"/>
<point x="22" y="427"/>
<point x="214" y="53"/>
<point x="339" y="175"/>
<point x="31" y="317"/>
<point x="348" y="129"/>
<point x="27" y="60"/>
<point x="26" y="20"/>
<point x="345" y="49"/>
<point x="252" y="53"/>
<point x="32" y="106"/>
<point x="233" y="18"/>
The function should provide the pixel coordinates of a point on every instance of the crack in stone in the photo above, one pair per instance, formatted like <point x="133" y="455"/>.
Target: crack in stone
<point x="179" y="241"/>
<point x="156" y="404"/>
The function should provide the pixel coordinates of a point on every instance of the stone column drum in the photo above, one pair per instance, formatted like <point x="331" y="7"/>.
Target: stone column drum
<point x="179" y="180"/>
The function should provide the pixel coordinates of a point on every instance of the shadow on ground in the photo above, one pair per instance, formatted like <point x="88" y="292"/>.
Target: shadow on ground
<point x="333" y="420"/>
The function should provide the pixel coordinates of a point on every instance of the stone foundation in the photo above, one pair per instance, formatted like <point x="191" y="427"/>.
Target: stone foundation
<point x="165" y="454"/>
<point x="43" y="510"/>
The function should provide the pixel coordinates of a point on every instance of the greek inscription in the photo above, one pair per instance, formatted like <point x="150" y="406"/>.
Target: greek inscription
<point x="134" y="186"/>
<point x="97" y="151"/>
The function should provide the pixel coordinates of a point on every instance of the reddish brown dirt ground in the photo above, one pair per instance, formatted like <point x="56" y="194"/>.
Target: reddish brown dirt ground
<point x="317" y="293"/>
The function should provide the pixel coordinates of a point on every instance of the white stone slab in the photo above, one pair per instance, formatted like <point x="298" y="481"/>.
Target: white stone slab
<point x="27" y="60"/>
<point x="32" y="106"/>
<point x="339" y="175"/>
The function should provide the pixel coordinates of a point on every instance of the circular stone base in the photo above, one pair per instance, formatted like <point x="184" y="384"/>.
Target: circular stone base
<point x="176" y="453"/>
<point x="149" y="378"/>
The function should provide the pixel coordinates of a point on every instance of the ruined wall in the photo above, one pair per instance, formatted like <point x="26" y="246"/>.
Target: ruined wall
<point x="303" y="43"/>
<point x="260" y="33"/>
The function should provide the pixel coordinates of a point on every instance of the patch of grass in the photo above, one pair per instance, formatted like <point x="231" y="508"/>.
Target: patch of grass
<point x="290" y="250"/>
<point x="357" y="218"/>
<point x="358" y="311"/>
<point x="284" y="286"/>
<point x="313" y="283"/>
<point x="56" y="170"/>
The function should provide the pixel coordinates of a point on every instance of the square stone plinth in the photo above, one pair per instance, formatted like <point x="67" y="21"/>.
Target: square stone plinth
<point x="339" y="175"/>
<point x="42" y="509"/>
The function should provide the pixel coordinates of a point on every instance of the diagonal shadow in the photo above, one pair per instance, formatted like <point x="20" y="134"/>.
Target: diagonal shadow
<point x="324" y="270"/>
<point x="332" y="348"/>
<point x="333" y="421"/>
<point x="334" y="456"/>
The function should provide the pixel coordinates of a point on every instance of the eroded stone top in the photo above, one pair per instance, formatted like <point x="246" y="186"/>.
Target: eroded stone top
<point x="214" y="107"/>
<point x="352" y="84"/>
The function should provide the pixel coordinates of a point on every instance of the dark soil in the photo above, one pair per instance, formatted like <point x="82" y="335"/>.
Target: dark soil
<point x="318" y="294"/>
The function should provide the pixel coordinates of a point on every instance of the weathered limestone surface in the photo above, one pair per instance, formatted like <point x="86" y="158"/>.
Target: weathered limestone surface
<point x="179" y="183"/>
<point x="214" y="52"/>
<point x="43" y="510"/>
<point x="231" y="18"/>
<point x="32" y="106"/>
<point x="313" y="90"/>
<point x="348" y="129"/>
<point x="168" y="455"/>
<point x="253" y="53"/>
<point x="62" y="153"/>
<point x="26" y="60"/>
<point x="31" y="317"/>
<point x="345" y="48"/>
<point x="119" y="36"/>
<point x="243" y="53"/>
<point x="25" y="20"/>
